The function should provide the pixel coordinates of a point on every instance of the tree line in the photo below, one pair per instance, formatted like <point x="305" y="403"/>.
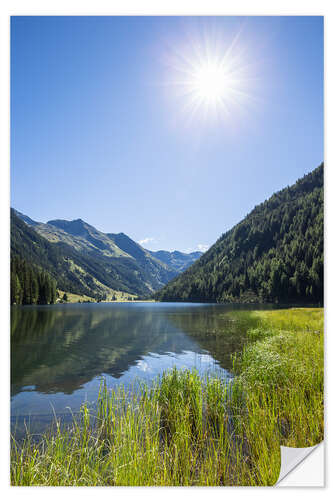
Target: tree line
<point x="30" y="285"/>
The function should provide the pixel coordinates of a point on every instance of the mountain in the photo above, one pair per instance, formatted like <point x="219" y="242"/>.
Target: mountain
<point x="78" y="234"/>
<point x="275" y="254"/>
<point x="74" y="271"/>
<point x="145" y="273"/>
<point x="179" y="261"/>
<point x="86" y="261"/>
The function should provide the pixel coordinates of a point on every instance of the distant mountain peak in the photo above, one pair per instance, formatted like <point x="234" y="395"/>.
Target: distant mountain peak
<point x="76" y="227"/>
<point x="177" y="260"/>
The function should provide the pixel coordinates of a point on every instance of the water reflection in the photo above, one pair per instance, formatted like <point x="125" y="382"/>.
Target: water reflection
<point x="59" y="353"/>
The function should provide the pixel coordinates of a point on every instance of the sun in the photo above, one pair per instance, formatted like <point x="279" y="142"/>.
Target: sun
<point x="211" y="77"/>
<point x="214" y="84"/>
<point x="211" y="83"/>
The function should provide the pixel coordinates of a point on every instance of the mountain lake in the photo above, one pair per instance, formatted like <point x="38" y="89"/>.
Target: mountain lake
<point x="61" y="353"/>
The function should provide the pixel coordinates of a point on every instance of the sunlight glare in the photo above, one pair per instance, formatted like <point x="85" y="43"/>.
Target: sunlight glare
<point x="211" y="82"/>
<point x="212" y="77"/>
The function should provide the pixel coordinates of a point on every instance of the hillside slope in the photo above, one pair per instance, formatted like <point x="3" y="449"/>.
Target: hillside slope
<point x="275" y="254"/>
<point x="74" y="271"/>
<point x="85" y="261"/>
<point x="112" y="266"/>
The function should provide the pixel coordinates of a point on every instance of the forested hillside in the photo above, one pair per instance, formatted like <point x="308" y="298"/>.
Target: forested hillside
<point x="93" y="255"/>
<point x="73" y="271"/>
<point x="275" y="254"/>
<point x="30" y="285"/>
<point x="85" y="261"/>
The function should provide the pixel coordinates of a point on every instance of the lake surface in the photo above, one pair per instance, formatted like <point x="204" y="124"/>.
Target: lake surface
<point x="60" y="353"/>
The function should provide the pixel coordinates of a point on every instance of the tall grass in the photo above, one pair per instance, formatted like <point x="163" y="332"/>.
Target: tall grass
<point x="192" y="430"/>
<point x="285" y="367"/>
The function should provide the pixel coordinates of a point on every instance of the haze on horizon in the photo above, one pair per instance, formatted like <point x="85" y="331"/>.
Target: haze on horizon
<point x="169" y="129"/>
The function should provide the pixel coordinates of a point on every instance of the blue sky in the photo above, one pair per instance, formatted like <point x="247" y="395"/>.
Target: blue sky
<point x="104" y="129"/>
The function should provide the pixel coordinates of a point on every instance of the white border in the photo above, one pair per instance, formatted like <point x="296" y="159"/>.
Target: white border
<point x="140" y="7"/>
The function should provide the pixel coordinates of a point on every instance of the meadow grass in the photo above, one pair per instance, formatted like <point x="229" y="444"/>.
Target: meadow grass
<point x="190" y="430"/>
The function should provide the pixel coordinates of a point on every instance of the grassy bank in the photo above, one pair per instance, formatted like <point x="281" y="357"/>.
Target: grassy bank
<point x="113" y="296"/>
<point x="187" y="430"/>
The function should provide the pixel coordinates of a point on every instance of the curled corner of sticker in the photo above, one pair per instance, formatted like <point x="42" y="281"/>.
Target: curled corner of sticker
<point x="291" y="458"/>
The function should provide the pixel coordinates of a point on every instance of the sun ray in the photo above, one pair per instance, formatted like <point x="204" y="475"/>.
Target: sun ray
<point x="212" y="78"/>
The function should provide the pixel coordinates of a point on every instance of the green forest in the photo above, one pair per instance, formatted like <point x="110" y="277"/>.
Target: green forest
<point x="30" y="285"/>
<point x="275" y="254"/>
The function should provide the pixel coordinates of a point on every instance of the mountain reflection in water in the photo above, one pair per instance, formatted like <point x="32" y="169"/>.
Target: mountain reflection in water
<point x="59" y="353"/>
